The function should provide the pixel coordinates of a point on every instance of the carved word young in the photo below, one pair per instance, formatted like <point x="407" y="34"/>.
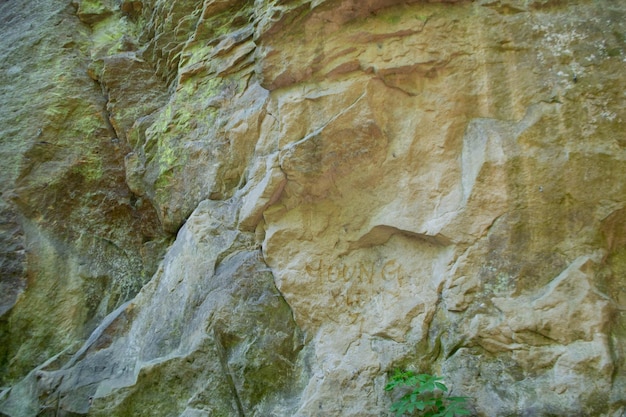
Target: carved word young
<point x="362" y="272"/>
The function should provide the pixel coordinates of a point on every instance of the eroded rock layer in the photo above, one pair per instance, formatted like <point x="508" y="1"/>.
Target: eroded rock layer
<point x="261" y="208"/>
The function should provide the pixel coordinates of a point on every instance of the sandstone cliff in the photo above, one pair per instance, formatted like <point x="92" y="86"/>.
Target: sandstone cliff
<point x="261" y="208"/>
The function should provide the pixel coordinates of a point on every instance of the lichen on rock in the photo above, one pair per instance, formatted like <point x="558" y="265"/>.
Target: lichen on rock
<point x="261" y="208"/>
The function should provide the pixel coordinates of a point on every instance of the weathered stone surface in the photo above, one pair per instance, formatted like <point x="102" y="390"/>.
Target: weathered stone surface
<point x="220" y="340"/>
<point x="354" y="186"/>
<point x="78" y="243"/>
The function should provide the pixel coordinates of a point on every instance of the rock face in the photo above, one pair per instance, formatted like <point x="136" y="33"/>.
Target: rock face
<point x="261" y="208"/>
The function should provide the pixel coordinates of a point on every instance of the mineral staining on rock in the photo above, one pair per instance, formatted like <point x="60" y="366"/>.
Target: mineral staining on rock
<point x="238" y="208"/>
<point x="85" y="244"/>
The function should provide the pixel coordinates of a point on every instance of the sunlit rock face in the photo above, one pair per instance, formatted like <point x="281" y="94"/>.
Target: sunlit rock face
<point x="261" y="208"/>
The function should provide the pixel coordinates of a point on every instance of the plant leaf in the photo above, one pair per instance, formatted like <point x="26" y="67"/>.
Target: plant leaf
<point x="441" y="386"/>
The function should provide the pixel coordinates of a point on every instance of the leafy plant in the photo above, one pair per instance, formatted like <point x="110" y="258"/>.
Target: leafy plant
<point x="427" y="396"/>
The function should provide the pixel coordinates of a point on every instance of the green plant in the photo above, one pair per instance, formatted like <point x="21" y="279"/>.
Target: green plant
<point x="427" y="396"/>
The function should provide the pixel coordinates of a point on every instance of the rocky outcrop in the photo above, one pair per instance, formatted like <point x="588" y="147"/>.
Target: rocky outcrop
<point x="238" y="208"/>
<point x="79" y="242"/>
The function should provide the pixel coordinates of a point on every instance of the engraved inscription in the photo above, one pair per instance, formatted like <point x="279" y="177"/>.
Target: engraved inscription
<point x="354" y="285"/>
<point x="362" y="272"/>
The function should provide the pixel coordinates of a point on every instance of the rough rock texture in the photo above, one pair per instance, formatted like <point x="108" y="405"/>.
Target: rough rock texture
<point x="261" y="208"/>
<point x="77" y="242"/>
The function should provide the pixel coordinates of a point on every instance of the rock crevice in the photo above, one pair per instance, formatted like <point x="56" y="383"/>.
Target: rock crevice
<point x="261" y="208"/>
